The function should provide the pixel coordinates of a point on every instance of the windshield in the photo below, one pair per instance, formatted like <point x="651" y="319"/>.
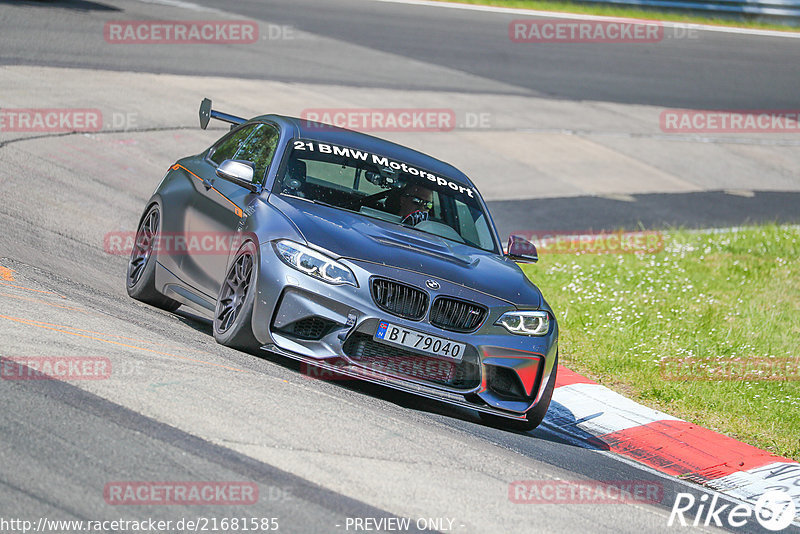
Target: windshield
<point x="382" y="188"/>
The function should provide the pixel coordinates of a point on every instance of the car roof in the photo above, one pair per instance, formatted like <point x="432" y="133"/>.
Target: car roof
<point x="305" y="129"/>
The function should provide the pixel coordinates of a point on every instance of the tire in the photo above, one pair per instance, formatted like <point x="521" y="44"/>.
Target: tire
<point x="534" y="417"/>
<point x="141" y="277"/>
<point x="233" y="314"/>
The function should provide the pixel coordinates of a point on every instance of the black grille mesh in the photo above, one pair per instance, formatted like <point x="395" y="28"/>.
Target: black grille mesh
<point x="310" y="328"/>
<point x="505" y="382"/>
<point x="457" y="315"/>
<point x="399" y="299"/>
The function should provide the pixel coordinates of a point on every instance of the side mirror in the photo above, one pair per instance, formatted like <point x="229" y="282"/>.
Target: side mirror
<point x="239" y="172"/>
<point x="521" y="250"/>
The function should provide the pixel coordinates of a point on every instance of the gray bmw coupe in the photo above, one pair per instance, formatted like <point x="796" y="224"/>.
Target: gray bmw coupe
<point x="354" y="255"/>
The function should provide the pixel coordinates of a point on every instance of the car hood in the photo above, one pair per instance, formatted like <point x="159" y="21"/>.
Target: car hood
<point x="357" y="237"/>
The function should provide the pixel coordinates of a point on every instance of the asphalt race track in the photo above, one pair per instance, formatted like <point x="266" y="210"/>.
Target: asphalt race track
<point x="708" y="70"/>
<point x="178" y="406"/>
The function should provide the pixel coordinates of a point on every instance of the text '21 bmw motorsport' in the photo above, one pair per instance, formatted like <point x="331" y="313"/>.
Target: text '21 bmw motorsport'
<point x="356" y="255"/>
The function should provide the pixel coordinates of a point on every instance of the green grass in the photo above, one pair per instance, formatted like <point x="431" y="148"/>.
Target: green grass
<point x="712" y="298"/>
<point x="629" y="12"/>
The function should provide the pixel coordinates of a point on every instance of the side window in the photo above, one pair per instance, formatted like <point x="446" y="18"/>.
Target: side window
<point x="256" y="143"/>
<point x="466" y="223"/>
<point x="227" y="148"/>
<point x="259" y="147"/>
<point x="436" y="212"/>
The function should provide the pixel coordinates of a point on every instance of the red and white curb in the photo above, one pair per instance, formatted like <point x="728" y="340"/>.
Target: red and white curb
<point x="583" y="409"/>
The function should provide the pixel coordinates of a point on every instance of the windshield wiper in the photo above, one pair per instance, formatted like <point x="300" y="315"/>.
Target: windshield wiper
<point x="321" y="203"/>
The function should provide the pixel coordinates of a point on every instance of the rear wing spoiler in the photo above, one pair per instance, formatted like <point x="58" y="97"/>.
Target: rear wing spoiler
<point x="206" y="114"/>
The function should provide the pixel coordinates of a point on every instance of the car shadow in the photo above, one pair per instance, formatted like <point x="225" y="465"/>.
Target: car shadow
<point x="193" y="320"/>
<point x="559" y="425"/>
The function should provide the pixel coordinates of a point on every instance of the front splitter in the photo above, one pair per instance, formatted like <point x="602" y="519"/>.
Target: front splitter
<point x="400" y="385"/>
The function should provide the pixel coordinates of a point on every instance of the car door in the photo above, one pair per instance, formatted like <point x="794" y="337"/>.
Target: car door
<point x="219" y="205"/>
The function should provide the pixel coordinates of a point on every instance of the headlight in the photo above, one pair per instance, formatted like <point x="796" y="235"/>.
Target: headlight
<point x="313" y="263"/>
<point x="526" y="323"/>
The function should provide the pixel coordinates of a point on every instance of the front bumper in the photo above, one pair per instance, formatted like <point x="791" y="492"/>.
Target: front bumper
<point x="332" y="328"/>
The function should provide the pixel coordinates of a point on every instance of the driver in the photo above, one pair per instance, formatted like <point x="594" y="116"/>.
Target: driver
<point x="415" y="203"/>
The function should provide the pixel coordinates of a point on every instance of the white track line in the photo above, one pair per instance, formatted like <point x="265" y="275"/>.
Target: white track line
<point x="579" y="16"/>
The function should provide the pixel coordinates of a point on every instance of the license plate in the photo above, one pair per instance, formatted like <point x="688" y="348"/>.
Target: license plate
<point x="403" y="337"/>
